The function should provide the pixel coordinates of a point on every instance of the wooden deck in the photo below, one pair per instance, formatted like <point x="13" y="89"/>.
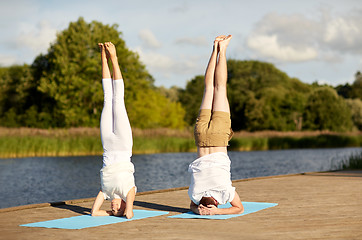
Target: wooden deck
<point x="311" y="206"/>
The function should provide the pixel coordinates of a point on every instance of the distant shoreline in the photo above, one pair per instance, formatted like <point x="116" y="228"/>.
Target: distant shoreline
<point x="31" y="142"/>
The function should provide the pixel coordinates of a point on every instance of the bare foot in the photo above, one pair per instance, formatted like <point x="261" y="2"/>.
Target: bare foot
<point x="111" y="49"/>
<point x="221" y="37"/>
<point x="104" y="53"/>
<point x="225" y="42"/>
<point x="217" y="40"/>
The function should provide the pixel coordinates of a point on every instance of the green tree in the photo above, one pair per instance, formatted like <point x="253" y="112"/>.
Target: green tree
<point x="71" y="74"/>
<point x="356" y="91"/>
<point x="325" y="110"/>
<point x="170" y="93"/>
<point x="262" y="97"/>
<point x="255" y="113"/>
<point x="15" y="82"/>
<point x="351" y="91"/>
<point x="191" y="98"/>
<point x="21" y="103"/>
<point x="355" y="105"/>
<point x="344" y="90"/>
<point x="154" y="111"/>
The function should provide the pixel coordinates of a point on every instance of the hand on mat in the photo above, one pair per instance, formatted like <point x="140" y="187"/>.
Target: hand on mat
<point x="209" y="210"/>
<point x="128" y="213"/>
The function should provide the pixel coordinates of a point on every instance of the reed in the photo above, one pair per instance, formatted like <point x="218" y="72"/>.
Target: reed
<point x="37" y="146"/>
<point x="30" y="142"/>
<point x="289" y="142"/>
<point x="248" y="143"/>
<point x="353" y="162"/>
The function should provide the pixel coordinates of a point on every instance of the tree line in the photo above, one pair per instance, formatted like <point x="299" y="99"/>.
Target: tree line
<point x="62" y="88"/>
<point x="264" y="98"/>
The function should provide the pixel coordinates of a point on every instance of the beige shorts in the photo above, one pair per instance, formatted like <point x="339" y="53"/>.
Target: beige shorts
<point x="213" y="129"/>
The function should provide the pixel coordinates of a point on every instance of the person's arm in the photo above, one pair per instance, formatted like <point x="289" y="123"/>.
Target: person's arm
<point x="199" y="209"/>
<point x="236" y="208"/>
<point x="97" y="205"/>
<point x="128" y="212"/>
<point x="194" y="207"/>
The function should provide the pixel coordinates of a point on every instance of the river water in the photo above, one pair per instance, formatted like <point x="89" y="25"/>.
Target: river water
<point x="50" y="179"/>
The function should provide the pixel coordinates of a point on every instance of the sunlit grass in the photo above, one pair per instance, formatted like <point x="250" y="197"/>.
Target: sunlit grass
<point x="30" y="146"/>
<point x="353" y="162"/>
<point x="289" y="142"/>
<point x="29" y="142"/>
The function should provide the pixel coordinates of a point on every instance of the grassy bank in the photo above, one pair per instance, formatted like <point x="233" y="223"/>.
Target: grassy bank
<point x="353" y="162"/>
<point x="27" y="142"/>
<point x="290" y="142"/>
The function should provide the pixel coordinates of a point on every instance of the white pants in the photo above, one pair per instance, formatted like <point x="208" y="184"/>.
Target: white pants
<point x="116" y="132"/>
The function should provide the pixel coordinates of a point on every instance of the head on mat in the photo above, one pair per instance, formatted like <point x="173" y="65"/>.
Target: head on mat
<point x="117" y="207"/>
<point x="207" y="201"/>
<point x="210" y="173"/>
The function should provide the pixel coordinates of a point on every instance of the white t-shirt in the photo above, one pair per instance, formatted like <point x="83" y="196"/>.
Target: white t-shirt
<point x="111" y="157"/>
<point x="117" y="175"/>
<point x="210" y="177"/>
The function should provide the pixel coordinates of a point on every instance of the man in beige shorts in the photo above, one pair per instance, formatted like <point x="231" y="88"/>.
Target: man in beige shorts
<point x="210" y="172"/>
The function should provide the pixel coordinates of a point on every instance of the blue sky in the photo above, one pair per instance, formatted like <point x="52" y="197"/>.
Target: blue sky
<point x="319" y="40"/>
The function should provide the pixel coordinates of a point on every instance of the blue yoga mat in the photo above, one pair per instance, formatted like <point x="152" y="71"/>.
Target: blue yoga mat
<point x="86" y="221"/>
<point x="249" y="207"/>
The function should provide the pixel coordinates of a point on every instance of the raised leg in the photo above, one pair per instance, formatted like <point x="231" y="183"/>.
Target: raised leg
<point x="220" y="101"/>
<point x="121" y="125"/>
<point x="111" y="51"/>
<point x="104" y="58"/>
<point x="106" y="124"/>
<point x="209" y="77"/>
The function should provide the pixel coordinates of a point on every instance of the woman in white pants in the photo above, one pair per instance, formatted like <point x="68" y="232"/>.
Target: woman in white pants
<point x="117" y="180"/>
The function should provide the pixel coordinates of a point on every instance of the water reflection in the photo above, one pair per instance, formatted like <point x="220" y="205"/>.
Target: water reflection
<point x="49" y="179"/>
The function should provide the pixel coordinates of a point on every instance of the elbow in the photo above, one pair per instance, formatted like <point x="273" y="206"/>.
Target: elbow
<point x="194" y="209"/>
<point x="240" y="209"/>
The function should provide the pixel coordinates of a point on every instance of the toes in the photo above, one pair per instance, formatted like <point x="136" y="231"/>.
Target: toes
<point x="101" y="46"/>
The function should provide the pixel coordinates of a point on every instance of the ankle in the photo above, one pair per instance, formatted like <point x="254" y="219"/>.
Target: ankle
<point x="222" y="49"/>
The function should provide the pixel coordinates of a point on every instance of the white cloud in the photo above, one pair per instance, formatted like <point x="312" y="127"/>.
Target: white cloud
<point x="344" y="34"/>
<point x="155" y="60"/>
<point x="148" y="39"/>
<point x="268" y="46"/>
<point x="37" y="38"/>
<point x="197" y="41"/>
<point x="169" y="67"/>
<point x="298" y="38"/>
